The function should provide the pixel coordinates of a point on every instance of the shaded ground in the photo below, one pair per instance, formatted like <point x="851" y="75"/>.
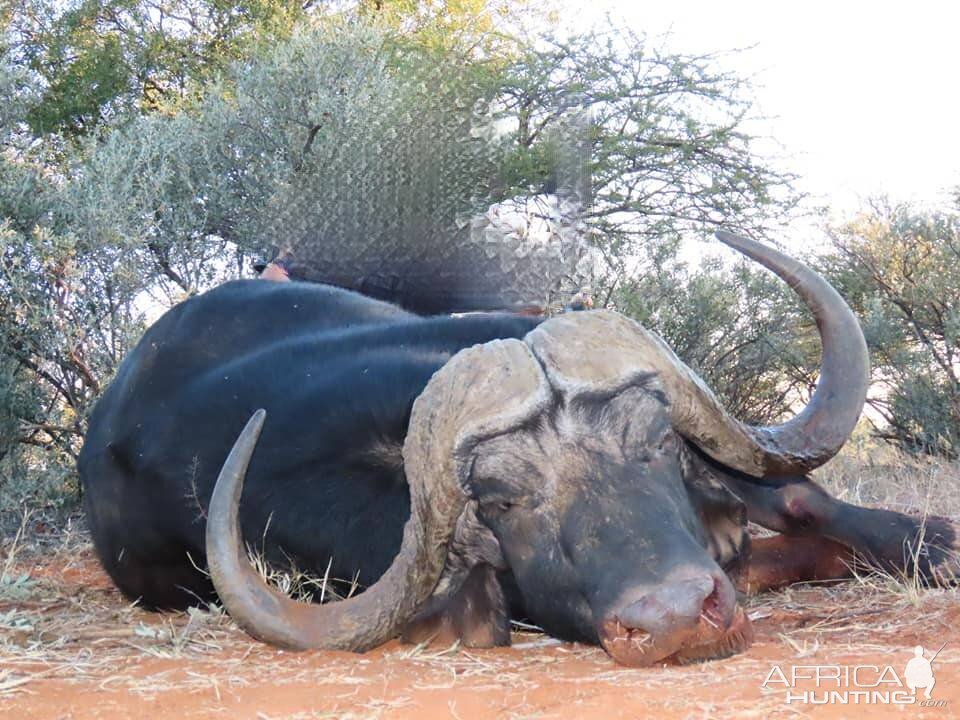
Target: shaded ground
<point x="71" y="647"/>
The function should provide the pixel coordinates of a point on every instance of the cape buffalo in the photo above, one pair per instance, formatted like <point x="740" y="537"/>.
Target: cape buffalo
<point x="468" y="469"/>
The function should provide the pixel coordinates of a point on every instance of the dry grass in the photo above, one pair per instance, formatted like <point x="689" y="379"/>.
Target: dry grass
<point x="879" y="476"/>
<point x="60" y="619"/>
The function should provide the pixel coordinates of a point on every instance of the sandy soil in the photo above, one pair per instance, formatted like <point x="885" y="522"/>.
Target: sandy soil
<point x="70" y="647"/>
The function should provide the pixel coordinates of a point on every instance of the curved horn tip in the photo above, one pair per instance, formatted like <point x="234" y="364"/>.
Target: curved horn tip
<point x="732" y="239"/>
<point x="256" y="420"/>
<point x="247" y="441"/>
<point x="816" y="434"/>
<point x="230" y="480"/>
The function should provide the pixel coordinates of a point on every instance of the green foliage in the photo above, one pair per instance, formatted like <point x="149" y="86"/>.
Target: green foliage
<point x="57" y="344"/>
<point x="668" y="153"/>
<point x="97" y="59"/>
<point x="899" y="267"/>
<point x="294" y="146"/>
<point x="342" y="130"/>
<point x="482" y="28"/>
<point x="77" y="98"/>
<point x="100" y="59"/>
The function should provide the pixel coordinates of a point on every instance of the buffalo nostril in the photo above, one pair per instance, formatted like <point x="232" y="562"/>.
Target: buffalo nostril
<point x="712" y="611"/>
<point x="681" y="604"/>
<point x="648" y="614"/>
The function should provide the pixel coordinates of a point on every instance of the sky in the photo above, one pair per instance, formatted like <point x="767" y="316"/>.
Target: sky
<point x="861" y="98"/>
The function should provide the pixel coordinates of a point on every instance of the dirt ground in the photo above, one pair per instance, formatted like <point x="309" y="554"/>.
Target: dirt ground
<point x="71" y="647"/>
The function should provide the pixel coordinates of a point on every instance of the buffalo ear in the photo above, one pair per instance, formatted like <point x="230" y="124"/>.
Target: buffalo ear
<point x="723" y="515"/>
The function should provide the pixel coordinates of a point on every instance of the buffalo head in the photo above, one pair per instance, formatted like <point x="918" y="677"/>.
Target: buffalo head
<point x="570" y="459"/>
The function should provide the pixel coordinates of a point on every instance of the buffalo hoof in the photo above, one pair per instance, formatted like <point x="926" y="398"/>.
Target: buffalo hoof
<point x="936" y="556"/>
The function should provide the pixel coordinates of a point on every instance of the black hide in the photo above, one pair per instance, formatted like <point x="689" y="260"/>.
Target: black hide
<point x="337" y="373"/>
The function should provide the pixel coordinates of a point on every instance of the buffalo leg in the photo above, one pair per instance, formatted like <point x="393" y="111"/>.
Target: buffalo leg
<point x="890" y="541"/>
<point x="778" y="561"/>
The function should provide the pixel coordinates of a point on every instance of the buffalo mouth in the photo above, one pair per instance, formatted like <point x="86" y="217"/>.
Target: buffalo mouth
<point x="710" y="638"/>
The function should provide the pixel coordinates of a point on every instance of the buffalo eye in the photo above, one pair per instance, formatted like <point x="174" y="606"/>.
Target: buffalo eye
<point x="668" y="443"/>
<point x="496" y="507"/>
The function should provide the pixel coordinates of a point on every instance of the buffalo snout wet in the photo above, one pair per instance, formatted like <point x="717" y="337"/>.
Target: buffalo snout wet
<point x="683" y="620"/>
